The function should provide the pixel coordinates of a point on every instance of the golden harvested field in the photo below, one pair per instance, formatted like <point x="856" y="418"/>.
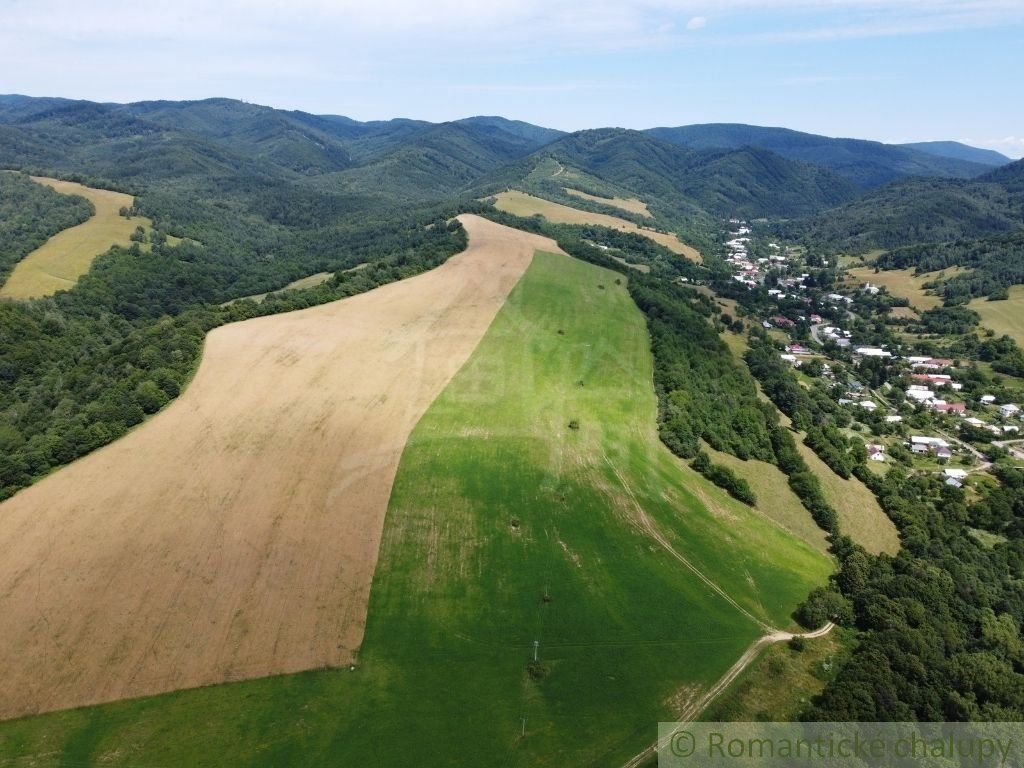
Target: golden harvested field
<point x="235" y="534"/>
<point x="1004" y="316"/>
<point x="630" y="204"/>
<point x="522" y="204"/>
<point x="65" y="257"/>
<point x="904" y="283"/>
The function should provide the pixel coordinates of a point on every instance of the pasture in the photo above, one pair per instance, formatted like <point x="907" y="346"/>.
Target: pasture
<point x="522" y="204"/>
<point x="65" y="257"/>
<point x="904" y="283"/>
<point x="1004" y="317"/>
<point x="235" y="534"/>
<point x="775" y="499"/>
<point x="628" y="204"/>
<point x="860" y="516"/>
<point x="533" y="503"/>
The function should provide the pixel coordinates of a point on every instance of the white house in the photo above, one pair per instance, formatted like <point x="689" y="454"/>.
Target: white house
<point x="871" y="352"/>
<point x="1008" y="410"/>
<point x="868" y="405"/>
<point x="921" y="395"/>
<point x="925" y="440"/>
<point x="956" y="474"/>
<point x="893" y="419"/>
<point x="988" y="399"/>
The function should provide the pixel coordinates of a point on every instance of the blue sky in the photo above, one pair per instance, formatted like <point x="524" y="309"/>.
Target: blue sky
<point x="893" y="70"/>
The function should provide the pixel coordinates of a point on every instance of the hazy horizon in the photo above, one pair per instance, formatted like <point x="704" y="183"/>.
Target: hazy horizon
<point x="870" y="69"/>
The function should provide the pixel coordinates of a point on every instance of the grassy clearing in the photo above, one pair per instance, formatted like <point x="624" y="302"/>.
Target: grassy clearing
<point x="1004" y="316"/>
<point x="65" y="257"/>
<point x="630" y="204"/>
<point x="860" y="516"/>
<point x="904" y="283"/>
<point x="778" y="686"/>
<point x="522" y="204"/>
<point x="644" y="268"/>
<point x="506" y="526"/>
<point x="296" y="285"/>
<point x="775" y="499"/>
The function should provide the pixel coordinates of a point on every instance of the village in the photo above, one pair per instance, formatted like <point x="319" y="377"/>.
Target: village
<point x="928" y="413"/>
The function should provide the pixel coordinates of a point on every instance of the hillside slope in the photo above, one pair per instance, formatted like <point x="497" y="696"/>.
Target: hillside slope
<point x="747" y="182"/>
<point x="866" y="164"/>
<point x="507" y="527"/>
<point x="958" y="151"/>
<point x="916" y="211"/>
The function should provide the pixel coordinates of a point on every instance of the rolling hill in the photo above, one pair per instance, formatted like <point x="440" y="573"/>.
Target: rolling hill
<point x="866" y="164"/>
<point x="747" y="182"/>
<point x="959" y="151"/>
<point x="917" y="211"/>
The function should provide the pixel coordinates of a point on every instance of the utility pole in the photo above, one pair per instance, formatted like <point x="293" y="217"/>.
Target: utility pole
<point x="536" y="645"/>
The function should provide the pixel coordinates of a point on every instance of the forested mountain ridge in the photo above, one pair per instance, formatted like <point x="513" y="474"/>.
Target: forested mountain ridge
<point x="867" y="164"/>
<point x="958" y="151"/>
<point x="917" y="211"/>
<point x="745" y="182"/>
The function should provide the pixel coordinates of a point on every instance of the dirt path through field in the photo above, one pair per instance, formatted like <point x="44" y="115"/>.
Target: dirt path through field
<point x="235" y="535"/>
<point x="694" y="709"/>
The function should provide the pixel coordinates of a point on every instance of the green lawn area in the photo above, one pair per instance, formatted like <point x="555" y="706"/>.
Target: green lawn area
<point x="1004" y="317"/>
<point x="505" y="527"/>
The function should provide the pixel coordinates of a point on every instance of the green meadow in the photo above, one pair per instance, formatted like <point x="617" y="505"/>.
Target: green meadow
<point x="533" y="504"/>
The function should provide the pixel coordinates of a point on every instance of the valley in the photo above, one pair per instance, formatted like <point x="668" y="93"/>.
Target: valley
<point x="481" y="442"/>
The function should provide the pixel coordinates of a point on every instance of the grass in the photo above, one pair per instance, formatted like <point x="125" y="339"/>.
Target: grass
<point x="904" y="283"/>
<point x="629" y="204"/>
<point x="505" y="527"/>
<point x="522" y="204"/>
<point x="778" y="686"/>
<point x="65" y="257"/>
<point x="1004" y="317"/>
<point x="775" y="499"/>
<point x="860" y="516"/>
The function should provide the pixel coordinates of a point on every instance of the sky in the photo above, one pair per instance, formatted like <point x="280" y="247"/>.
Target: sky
<point x="891" y="70"/>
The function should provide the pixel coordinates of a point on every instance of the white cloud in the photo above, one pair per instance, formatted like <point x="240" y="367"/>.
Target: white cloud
<point x="1011" y="146"/>
<point x="697" y="22"/>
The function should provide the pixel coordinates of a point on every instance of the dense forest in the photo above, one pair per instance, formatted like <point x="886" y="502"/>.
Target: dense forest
<point x="940" y="623"/>
<point x="918" y="211"/>
<point x="866" y="164"/>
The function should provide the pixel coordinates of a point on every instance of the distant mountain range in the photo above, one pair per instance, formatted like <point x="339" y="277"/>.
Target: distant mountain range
<point x="715" y="170"/>
<point x="921" y="211"/>
<point x="867" y="164"/>
<point x="958" y="151"/>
